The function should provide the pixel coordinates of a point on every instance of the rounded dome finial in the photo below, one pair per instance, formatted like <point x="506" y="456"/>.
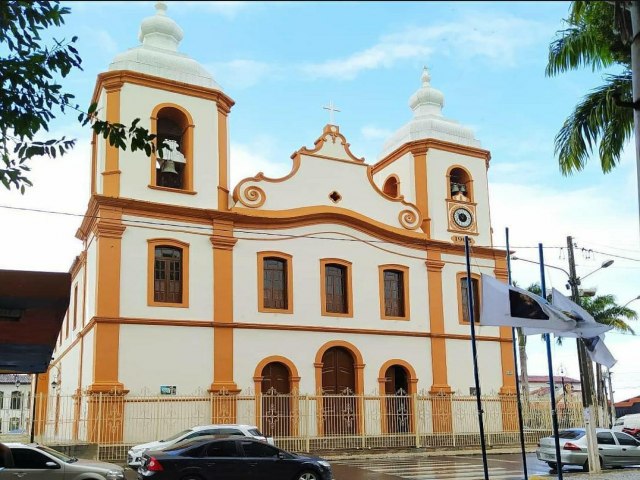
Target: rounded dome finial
<point x="161" y="8"/>
<point x="160" y="30"/>
<point x="426" y="77"/>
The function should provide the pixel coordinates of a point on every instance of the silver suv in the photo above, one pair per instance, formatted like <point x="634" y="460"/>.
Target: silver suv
<point x="37" y="462"/>
<point x="135" y="453"/>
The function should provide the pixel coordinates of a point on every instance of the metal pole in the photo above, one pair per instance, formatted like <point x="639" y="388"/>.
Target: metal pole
<point x="33" y="408"/>
<point x="515" y="363"/>
<point x="612" y="408"/>
<point x="586" y="370"/>
<point x="474" y="349"/>
<point x="552" y="387"/>
<point x="635" y="82"/>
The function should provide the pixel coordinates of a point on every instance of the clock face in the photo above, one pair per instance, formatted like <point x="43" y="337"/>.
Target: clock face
<point x="462" y="217"/>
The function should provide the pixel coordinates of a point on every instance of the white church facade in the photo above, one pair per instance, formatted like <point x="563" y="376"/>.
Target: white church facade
<point x="341" y="278"/>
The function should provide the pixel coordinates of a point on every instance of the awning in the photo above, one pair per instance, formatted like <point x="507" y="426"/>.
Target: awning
<point x="32" y="308"/>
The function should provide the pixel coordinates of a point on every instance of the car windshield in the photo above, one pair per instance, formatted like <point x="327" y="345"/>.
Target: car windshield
<point x="176" y="436"/>
<point x="571" y="434"/>
<point x="58" y="455"/>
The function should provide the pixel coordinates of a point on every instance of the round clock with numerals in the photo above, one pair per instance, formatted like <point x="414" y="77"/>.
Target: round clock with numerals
<point x="462" y="217"/>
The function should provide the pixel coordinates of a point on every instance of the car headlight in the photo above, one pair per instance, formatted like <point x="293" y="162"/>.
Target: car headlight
<point x="324" y="463"/>
<point x="115" y="475"/>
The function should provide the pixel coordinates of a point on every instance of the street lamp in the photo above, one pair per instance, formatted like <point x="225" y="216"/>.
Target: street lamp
<point x="57" y="379"/>
<point x="632" y="300"/>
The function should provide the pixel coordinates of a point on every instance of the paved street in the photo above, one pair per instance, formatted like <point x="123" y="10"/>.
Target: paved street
<point x="421" y="467"/>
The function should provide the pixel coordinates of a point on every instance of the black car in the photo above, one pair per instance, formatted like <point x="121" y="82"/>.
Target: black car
<point x="230" y="458"/>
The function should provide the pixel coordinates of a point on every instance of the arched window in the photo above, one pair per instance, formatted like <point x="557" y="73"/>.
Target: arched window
<point x="275" y="290"/>
<point x="463" y="297"/>
<point x="168" y="273"/>
<point x="394" y="295"/>
<point x="172" y="167"/>
<point x="16" y="400"/>
<point x="392" y="186"/>
<point x="336" y="288"/>
<point x="460" y="185"/>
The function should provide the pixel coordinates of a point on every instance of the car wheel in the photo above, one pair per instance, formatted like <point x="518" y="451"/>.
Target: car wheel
<point x="307" y="475"/>
<point x="585" y="467"/>
<point x="552" y="465"/>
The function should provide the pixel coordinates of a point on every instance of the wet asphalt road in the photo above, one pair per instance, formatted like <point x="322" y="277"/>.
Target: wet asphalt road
<point x="441" y="467"/>
<point x="421" y="467"/>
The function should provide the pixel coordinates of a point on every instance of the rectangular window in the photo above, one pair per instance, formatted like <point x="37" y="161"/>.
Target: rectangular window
<point x="475" y="285"/>
<point x="275" y="282"/>
<point x="75" y="306"/>
<point x="168" y="275"/>
<point x="394" y="293"/>
<point x="274" y="272"/>
<point x="336" y="289"/>
<point x="16" y="400"/>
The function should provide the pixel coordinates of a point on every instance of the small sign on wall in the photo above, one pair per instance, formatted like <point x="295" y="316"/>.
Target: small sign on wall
<point x="167" y="389"/>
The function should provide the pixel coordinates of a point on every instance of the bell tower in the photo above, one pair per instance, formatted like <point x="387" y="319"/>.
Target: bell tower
<point x="175" y="98"/>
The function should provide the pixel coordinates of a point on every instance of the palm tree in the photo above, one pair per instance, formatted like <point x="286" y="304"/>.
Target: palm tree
<point x="591" y="40"/>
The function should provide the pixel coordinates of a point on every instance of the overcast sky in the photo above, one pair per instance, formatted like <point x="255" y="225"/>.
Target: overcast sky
<point x="281" y="62"/>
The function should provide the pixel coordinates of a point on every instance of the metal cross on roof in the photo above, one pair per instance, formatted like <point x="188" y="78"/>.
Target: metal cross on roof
<point x="332" y="108"/>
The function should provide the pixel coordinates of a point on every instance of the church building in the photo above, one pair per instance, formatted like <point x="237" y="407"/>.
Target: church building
<point x="344" y="277"/>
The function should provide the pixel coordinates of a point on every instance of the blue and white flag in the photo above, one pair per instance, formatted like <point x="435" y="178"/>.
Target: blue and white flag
<point x="505" y="305"/>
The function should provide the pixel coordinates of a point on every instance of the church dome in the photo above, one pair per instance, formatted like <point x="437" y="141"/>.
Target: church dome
<point x="428" y="122"/>
<point x="158" y="55"/>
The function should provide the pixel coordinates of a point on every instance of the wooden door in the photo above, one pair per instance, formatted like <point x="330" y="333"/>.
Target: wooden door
<point x="276" y="401"/>
<point x="338" y="389"/>
<point x="398" y="408"/>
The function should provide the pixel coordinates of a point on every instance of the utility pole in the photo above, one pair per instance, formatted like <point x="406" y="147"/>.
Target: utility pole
<point x="586" y="371"/>
<point x="612" y="408"/>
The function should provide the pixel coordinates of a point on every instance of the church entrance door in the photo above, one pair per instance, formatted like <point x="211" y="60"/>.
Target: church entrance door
<point x="276" y="401"/>
<point x="397" y="400"/>
<point x="338" y="389"/>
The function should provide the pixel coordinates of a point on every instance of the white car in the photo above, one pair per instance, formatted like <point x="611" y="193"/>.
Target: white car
<point x="135" y="453"/>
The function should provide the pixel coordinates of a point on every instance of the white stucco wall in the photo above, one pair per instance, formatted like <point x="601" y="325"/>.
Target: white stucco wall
<point x="138" y="102"/>
<point x="438" y="162"/>
<point x="87" y="359"/>
<point x="151" y="356"/>
<point x="134" y="272"/>
<point x="403" y="168"/>
<point x="306" y="253"/>
<point x="453" y="266"/>
<point x="69" y="372"/>
<point x="252" y="346"/>
<point x="460" y="366"/>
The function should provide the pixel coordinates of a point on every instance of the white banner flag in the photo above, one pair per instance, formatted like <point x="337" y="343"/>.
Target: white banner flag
<point x="504" y="305"/>
<point x="586" y="325"/>
<point x="599" y="352"/>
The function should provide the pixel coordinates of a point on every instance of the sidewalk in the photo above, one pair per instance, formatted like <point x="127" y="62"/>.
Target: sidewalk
<point x="625" y="474"/>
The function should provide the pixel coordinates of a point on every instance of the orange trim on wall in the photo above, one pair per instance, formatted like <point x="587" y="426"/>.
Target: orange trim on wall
<point x="506" y="337"/>
<point x="324" y="262"/>
<point x="223" y="242"/>
<point x="111" y="174"/>
<point x="223" y="161"/>
<point x="358" y="363"/>
<point x="152" y="243"/>
<point x="436" y="323"/>
<point x="405" y="290"/>
<point x="106" y="341"/>
<point x="422" y="194"/>
<point x="412" y="380"/>
<point x="288" y="259"/>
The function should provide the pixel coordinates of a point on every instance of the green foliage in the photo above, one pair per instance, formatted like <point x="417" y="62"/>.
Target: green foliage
<point x="31" y="94"/>
<point x="593" y="39"/>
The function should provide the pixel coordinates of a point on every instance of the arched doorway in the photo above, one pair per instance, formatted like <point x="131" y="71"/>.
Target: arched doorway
<point x="338" y="389"/>
<point x="398" y="408"/>
<point x="276" y="401"/>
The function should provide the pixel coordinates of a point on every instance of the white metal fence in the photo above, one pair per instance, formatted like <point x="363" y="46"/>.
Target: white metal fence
<point x="297" y="422"/>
